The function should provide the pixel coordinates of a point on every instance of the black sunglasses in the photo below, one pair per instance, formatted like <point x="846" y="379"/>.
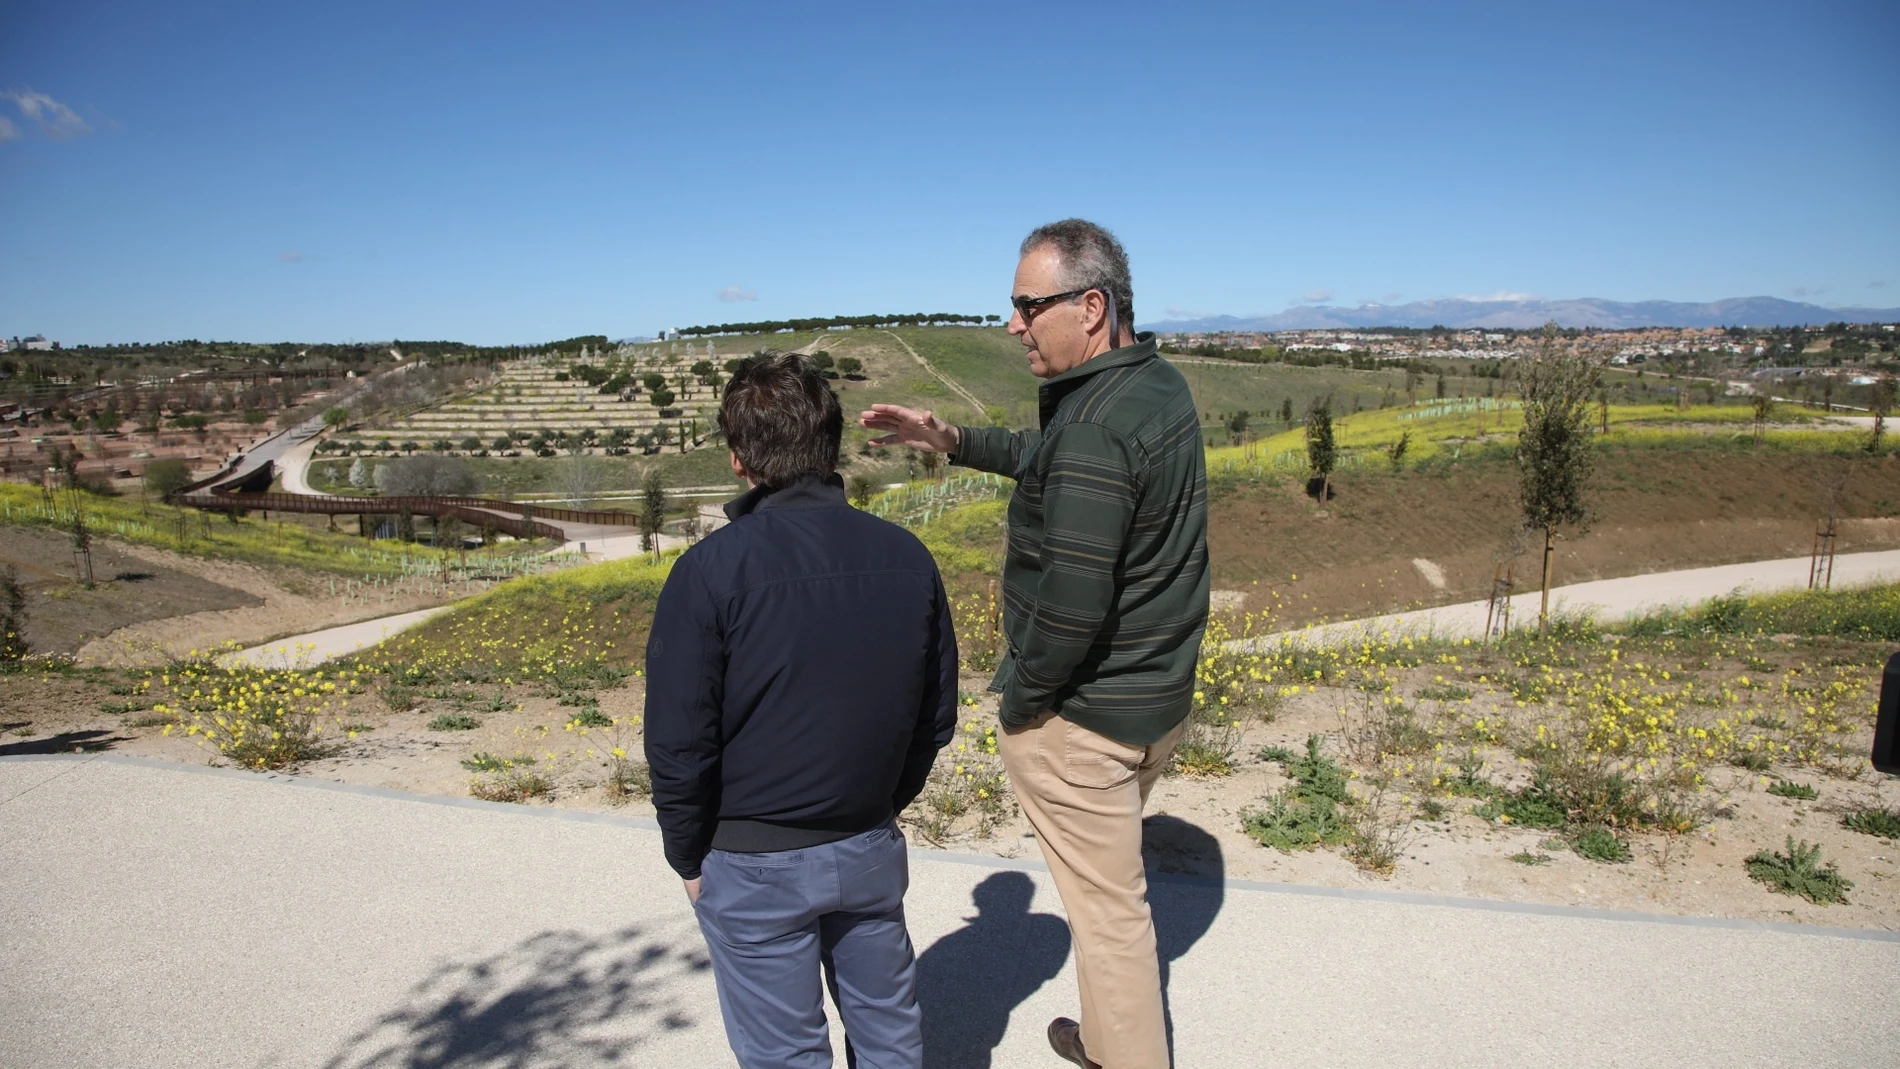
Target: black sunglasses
<point x="1027" y="307"/>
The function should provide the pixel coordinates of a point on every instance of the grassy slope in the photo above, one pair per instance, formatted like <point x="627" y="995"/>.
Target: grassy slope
<point x="251" y="539"/>
<point x="1448" y="427"/>
<point x="534" y="625"/>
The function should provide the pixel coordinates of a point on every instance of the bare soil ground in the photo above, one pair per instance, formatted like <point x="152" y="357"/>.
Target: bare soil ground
<point x="1194" y="827"/>
<point x="129" y="588"/>
<point x="148" y="604"/>
<point x="1659" y="511"/>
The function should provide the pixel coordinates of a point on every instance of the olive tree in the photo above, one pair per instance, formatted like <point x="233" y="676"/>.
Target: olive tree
<point x="1880" y="403"/>
<point x="1321" y="452"/>
<point x="427" y="476"/>
<point x="652" y="508"/>
<point x="1556" y="449"/>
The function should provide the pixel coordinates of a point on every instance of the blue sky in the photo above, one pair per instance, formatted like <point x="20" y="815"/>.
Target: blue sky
<point x="512" y="173"/>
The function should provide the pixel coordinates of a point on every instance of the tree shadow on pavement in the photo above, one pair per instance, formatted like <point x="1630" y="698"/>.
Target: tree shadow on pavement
<point x="970" y="981"/>
<point x="1186" y="888"/>
<point x="556" y="999"/>
<point x="65" y="742"/>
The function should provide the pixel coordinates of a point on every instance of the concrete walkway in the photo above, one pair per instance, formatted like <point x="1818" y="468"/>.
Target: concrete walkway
<point x="1608" y="601"/>
<point x="159" y="915"/>
<point x="316" y="647"/>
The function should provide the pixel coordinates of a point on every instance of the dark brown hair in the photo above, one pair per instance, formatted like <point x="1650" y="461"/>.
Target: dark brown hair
<point x="781" y="417"/>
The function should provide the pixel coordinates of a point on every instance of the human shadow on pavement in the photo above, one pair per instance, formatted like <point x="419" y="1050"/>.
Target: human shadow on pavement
<point x="1187" y="874"/>
<point x="65" y="742"/>
<point x="558" y="998"/>
<point x="970" y="981"/>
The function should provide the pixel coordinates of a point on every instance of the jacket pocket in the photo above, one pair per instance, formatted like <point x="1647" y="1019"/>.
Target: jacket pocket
<point x="1003" y="672"/>
<point x="1094" y="760"/>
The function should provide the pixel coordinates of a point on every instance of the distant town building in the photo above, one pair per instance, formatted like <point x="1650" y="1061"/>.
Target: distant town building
<point x="33" y="341"/>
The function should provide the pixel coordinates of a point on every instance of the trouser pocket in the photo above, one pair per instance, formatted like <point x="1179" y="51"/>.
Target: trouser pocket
<point x="1090" y="759"/>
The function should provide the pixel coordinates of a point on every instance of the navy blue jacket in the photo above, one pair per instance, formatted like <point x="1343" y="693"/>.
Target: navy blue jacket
<point x="801" y="677"/>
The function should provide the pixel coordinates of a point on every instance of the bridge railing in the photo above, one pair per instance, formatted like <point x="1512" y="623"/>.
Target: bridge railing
<point x="518" y="518"/>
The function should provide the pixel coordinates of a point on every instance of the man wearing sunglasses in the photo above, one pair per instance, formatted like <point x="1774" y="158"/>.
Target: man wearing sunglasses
<point x="1105" y="599"/>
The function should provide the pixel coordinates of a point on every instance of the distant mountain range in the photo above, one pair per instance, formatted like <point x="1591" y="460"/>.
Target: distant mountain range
<point x="1583" y="312"/>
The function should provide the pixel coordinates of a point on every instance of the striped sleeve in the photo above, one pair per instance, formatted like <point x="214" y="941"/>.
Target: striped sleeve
<point x="1088" y="500"/>
<point x="995" y="449"/>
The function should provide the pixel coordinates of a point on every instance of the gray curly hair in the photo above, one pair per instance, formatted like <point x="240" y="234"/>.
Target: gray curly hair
<point x="1091" y="259"/>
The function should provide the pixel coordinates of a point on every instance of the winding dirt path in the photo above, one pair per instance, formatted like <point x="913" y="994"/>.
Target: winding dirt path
<point x="956" y="387"/>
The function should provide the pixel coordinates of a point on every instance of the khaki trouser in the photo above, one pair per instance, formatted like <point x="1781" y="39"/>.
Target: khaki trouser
<point x="1083" y="794"/>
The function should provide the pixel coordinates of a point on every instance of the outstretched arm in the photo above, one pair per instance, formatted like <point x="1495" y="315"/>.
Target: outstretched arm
<point x="919" y="429"/>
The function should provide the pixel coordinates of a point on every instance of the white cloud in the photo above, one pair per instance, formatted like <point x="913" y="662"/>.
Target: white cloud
<point x="1175" y="311"/>
<point x="1316" y="295"/>
<point x="1808" y="291"/>
<point x="291" y="256"/>
<point x="8" y="131"/>
<point x="733" y="294"/>
<point x="54" y="119"/>
<point x="1877" y="284"/>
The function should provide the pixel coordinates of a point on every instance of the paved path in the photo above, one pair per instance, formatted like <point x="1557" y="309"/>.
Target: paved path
<point x="1609" y="600"/>
<point x="159" y="915"/>
<point x="315" y="647"/>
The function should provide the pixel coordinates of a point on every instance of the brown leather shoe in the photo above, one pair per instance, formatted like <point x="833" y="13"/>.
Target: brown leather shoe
<point x="1066" y="1037"/>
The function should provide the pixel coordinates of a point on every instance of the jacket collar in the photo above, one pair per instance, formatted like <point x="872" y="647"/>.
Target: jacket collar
<point x="1050" y="394"/>
<point x="811" y="490"/>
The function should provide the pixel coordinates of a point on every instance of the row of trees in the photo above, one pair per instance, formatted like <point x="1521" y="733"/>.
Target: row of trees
<point x="774" y="326"/>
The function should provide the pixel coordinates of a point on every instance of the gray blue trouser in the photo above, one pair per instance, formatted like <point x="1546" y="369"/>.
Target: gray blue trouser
<point x="780" y="925"/>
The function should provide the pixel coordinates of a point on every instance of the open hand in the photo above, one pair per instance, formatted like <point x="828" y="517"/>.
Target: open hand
<point x="908" y="426"/>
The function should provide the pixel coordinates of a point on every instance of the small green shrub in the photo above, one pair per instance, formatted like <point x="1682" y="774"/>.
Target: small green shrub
<point x="1872" y="820"/>
<point x="1527" y="858"/>
<point x="1206" y="748"/>
<point x="1307" y="813"/>
<point x="591" y="717"/>
<point x="1752" y="760"/>
<point x="1470" y="780"/>
<point x="1599" y="843"/>
<point x="454" y="722"/>
<point x="399" y="697"/>
<point x="1288" y="822"/>
<point x="1799" y="872"/>
<point x="1446" y="693"/>
<point x="1784" y="788"/>
<point x="510" y="785"/>
<point x="483" y="761"/>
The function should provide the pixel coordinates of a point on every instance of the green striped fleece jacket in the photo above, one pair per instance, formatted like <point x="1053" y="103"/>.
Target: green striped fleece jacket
<point x="1105" y="580"/>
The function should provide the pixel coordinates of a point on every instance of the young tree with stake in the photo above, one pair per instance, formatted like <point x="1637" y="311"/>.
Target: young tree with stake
<point x="1556" y="451"/>
<point x="1321" y="453"/>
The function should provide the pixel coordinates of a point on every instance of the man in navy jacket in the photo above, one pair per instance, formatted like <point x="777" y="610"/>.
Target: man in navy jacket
<point x="801" y="677"/>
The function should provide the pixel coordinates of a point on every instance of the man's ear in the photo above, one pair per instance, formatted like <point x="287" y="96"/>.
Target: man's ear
<point x="732" y="457"/>
<point x="1095" y="313"/>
